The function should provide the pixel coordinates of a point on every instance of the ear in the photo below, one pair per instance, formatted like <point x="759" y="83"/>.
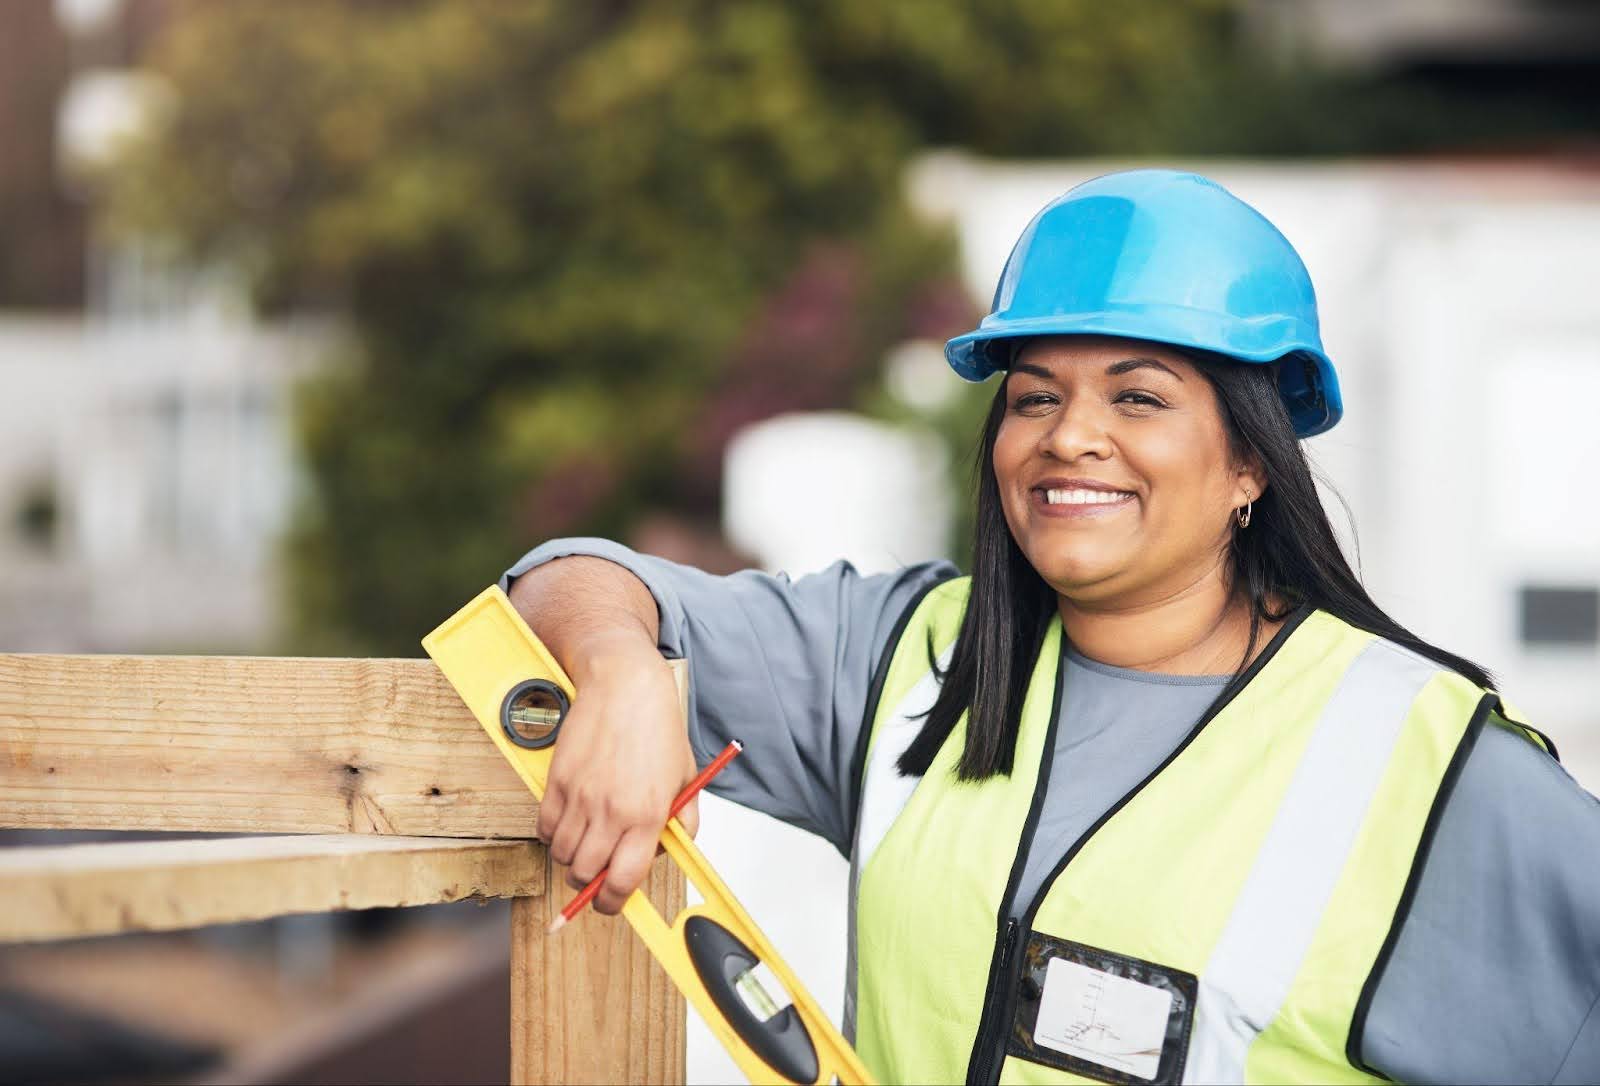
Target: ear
<point x="1249" y="480"/>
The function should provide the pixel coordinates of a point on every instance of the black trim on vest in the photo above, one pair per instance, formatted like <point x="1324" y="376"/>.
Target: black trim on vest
<point x="981" y="1066"/>
<point x="1549" y="744"/>
<point x="1222" y="701"/>
<point x="1533" y="733"/>
<point x="858" y="757"/>
<point x="1358" y="1021"/>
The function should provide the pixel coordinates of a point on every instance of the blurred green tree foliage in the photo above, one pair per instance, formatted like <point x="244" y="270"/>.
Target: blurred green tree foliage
<point x="577" y="245"/>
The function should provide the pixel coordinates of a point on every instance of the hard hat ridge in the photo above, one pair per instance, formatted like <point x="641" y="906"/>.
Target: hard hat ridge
<point x="1169" y="257"/>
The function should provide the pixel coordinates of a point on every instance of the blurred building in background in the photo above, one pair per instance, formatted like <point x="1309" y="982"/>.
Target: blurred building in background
<point x="147" y="464"/>
<point x="147" y="470"/>
<point x="1485" y="42"/>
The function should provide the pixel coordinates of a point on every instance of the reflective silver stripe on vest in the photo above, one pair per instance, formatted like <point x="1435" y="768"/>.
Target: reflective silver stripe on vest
<point x="1283" y="898"/>
<point x="884" y="792"/>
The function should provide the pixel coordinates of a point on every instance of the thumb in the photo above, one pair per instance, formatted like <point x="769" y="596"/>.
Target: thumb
<point x="690" y="816"/>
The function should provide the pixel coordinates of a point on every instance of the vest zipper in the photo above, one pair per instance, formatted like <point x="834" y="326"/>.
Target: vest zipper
<point x="988" y="1022"/>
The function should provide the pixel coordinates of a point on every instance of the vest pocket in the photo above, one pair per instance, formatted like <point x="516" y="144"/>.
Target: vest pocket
<point x="1099" y="1014"/>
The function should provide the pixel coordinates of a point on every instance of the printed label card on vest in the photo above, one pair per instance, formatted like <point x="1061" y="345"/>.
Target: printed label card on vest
<point x="1100" y="1014"/>
<point x="1102" y="1018"/>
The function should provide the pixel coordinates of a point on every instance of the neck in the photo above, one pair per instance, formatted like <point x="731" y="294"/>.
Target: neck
<point x="1200" y="628"/>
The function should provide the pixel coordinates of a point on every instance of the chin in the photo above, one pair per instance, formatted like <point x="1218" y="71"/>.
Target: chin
<point x="1079" y="577"/>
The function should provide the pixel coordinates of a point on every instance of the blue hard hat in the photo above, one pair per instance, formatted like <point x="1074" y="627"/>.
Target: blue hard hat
<point x="1169" y="257"/>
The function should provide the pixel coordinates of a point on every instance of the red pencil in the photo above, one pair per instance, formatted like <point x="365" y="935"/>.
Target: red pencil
<point x="690" y="790"/>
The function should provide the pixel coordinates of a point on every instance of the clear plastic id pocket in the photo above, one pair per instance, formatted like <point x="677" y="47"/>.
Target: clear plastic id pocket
<point x="1102" y="1015"/>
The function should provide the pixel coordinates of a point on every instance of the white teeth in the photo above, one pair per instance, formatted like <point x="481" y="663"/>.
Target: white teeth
<point x="1084" y="497"/>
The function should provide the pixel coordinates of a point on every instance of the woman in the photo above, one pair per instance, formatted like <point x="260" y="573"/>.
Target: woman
<point x="1158" y="793"/>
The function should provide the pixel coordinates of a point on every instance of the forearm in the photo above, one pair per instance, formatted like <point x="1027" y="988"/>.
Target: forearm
<point x="624" y="752"/>
<point x="802" y="718"/>
<point x="591" y="613"/>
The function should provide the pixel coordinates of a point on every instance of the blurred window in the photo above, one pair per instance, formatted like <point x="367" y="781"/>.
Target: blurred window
<point x="1560" y="615"/>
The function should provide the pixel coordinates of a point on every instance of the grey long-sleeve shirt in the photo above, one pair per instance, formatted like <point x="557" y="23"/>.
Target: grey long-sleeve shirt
<point x="1495" y="976"/>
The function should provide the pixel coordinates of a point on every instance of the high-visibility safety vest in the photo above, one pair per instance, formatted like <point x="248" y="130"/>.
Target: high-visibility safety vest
<point x="1226" y="921"/>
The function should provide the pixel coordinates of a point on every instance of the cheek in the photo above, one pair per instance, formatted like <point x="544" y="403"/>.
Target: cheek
<point x="1188" y="493"/>
<point x="1011" y="451"/>
<point x="1010" y="454"/>
<point x="1167" y="449"/>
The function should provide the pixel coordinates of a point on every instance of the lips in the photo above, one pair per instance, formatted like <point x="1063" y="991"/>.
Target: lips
<point x="1078" y="482"/>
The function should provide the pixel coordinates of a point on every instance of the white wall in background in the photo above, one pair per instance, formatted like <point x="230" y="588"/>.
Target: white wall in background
<point x="803" y="490"/>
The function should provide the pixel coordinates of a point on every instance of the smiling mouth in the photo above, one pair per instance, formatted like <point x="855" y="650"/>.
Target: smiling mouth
<point x="1085" y="497"/>
<point x="1079" y="503"/>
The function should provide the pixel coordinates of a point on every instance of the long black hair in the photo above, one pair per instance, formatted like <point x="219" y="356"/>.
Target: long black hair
<point x="1288" y="553"/>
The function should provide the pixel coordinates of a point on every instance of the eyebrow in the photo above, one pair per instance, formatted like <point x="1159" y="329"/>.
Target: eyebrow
<point x="1127" y="365"/>
<point x="1116" y="369"/>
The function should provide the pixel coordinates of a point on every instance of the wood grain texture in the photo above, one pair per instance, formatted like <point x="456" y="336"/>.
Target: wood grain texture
<point x="590" y="1003"/>
<point x="99" y="889"/>
<point x="250" y="745"/>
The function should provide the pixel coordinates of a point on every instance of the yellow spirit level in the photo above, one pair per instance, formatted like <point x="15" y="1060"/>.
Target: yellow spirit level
<point x="713" y="951"/>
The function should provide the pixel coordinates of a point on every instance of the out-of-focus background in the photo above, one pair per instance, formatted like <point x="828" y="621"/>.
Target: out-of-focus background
<point x="315" y="315"/>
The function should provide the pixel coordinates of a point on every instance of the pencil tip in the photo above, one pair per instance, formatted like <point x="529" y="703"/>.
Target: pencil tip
<point x="555" y="925"/>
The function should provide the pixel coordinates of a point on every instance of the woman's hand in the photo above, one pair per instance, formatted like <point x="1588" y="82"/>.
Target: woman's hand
<point x="622" y="758"/>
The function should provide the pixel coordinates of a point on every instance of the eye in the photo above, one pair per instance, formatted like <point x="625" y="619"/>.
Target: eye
<point x="1139" y="399"/>
<point x="1032" y="400"/>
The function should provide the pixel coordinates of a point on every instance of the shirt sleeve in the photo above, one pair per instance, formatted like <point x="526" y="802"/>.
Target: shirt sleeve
<point x="1496" y="970"/>
<point x="785" y="666"/>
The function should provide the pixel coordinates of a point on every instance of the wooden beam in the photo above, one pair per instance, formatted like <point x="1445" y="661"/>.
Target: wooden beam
<point x="249" y="745"/>
<point x="590" y="1004"/>
<point x="99" y="889"/>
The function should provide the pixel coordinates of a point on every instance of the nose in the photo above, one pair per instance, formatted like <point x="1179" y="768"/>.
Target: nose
<point x="1079" y="431"/>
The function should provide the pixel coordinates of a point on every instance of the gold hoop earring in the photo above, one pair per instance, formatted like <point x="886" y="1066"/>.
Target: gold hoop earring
<point x="1244" y="514"/>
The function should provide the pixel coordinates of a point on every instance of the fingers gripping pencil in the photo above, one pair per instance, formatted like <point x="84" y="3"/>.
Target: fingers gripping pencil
<point x="690" y="790"/>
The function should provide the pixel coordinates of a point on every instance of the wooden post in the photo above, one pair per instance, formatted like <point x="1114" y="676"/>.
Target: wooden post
<point x="590" y="1004"/>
